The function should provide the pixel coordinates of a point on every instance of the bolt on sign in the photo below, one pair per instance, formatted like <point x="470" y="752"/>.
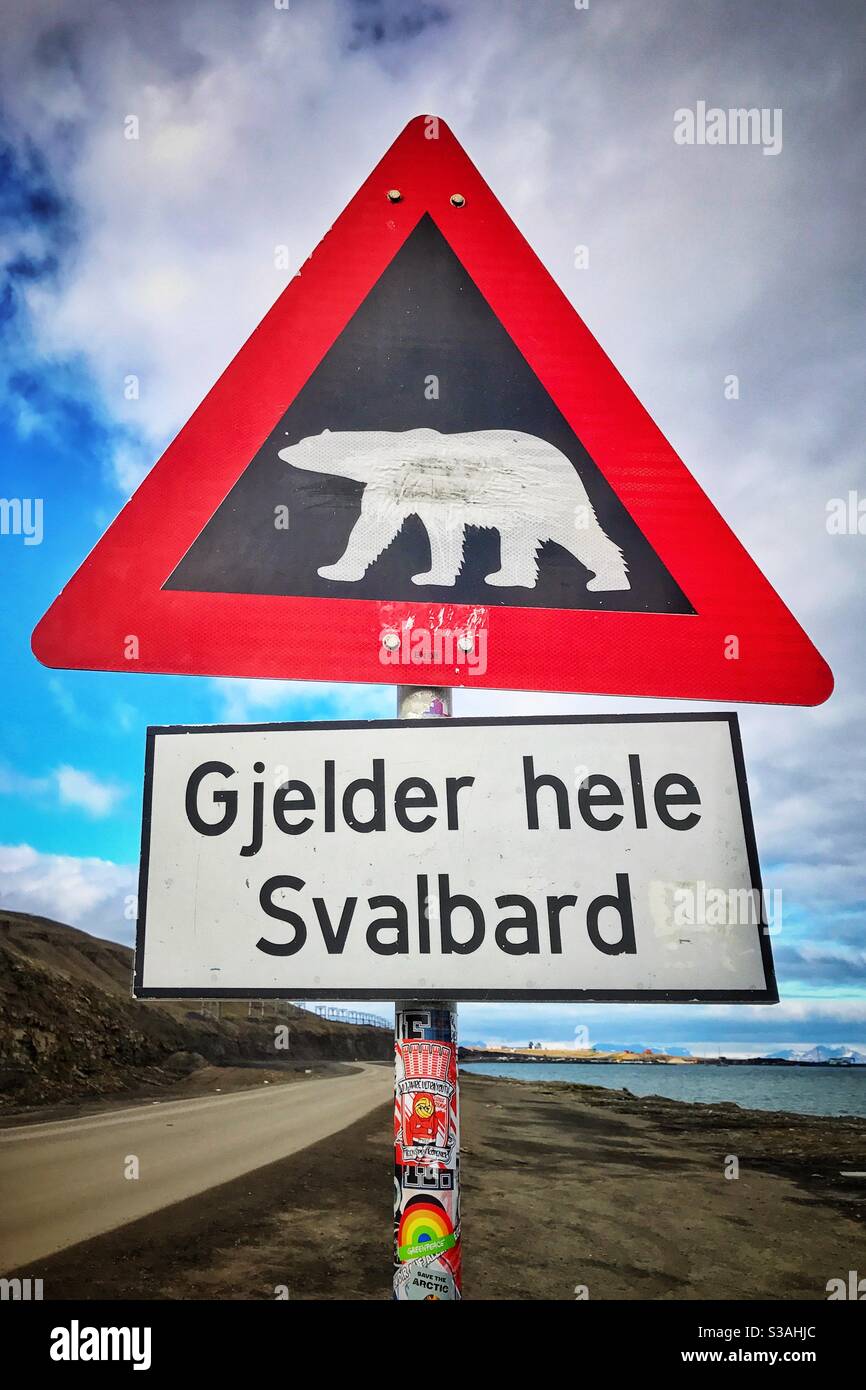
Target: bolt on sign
<point x="422" y="460"/>
<point x="593" y="857"/>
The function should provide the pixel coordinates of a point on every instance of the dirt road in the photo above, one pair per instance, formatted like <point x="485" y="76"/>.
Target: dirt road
<point x="67" y="1181"/>
<point x="564" y="1187"/>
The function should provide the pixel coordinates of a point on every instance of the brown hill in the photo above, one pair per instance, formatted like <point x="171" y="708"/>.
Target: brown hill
<point x="69" y="1028"/>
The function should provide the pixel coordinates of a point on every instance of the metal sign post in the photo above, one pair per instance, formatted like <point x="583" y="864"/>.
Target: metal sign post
<point x="427" y="1251"/>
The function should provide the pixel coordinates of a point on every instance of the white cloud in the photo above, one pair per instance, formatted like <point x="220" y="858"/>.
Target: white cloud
<point x="13" y="783"/>
<point x="69" y="785"/>
<point x="83" y="790"/>
<point x="243" y="701"/>
<point x="92" y="894"/>
<point x="807" y="1009"/>
<point x="130" y="462"/>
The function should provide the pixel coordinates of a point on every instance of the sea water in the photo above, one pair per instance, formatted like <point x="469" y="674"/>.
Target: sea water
<point x="803" y="1090"/>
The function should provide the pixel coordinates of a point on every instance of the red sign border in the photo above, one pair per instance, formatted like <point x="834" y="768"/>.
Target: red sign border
<point x="117" y="595"/>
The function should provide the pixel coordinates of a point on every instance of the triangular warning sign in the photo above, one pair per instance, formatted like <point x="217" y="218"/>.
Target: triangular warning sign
<point x="422" y="467"/>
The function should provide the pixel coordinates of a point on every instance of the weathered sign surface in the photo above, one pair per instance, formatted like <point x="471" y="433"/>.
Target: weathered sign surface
<point x="603" y="857"/>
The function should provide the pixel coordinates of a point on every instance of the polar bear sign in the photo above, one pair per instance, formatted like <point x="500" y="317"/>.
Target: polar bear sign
<point x="421" y="458"/>
<point x="496" y="480"/>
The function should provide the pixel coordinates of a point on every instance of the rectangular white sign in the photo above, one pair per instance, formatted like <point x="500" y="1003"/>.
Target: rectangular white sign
<point x="596" y="858"/>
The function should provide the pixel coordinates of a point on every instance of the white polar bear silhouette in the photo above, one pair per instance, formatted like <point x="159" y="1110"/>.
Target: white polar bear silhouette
<point x="504" y="480"/>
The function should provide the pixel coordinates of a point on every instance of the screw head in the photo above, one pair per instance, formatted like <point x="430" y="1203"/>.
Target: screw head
<point x="391" y="640"/>
<point x="457" y="200"/>
<point x="466" y="643"/>
<point x="394" y="195"/>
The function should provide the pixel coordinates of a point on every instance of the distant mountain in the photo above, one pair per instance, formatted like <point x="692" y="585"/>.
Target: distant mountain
<point x="820" y="1053"/>
<point x="641" y="1047"/>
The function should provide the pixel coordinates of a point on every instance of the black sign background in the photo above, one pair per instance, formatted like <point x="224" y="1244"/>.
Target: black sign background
<point x="424" y="317"/>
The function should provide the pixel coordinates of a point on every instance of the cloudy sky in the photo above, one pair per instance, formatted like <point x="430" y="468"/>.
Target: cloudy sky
<point x="154" y="257"/>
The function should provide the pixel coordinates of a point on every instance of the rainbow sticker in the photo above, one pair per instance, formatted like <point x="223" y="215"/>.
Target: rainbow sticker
<point x="424" y="1229"/>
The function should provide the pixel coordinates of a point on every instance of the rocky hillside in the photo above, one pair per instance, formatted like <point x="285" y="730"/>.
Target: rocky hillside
<point x="69" y="1029"/>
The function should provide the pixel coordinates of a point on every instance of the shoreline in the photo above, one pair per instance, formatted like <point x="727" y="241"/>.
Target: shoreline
<point x="818" y="1100"/>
